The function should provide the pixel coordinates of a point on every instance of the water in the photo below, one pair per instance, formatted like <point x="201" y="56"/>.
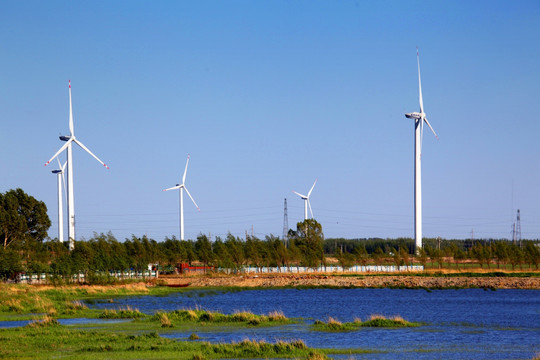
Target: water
<point x="460" y="324"/>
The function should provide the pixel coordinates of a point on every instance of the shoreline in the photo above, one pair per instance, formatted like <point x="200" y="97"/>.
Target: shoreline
<point x="352" y="281"/>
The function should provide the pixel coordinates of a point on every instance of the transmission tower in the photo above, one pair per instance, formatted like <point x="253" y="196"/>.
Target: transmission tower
<point x="285" y="223"/>
<point x="518" y="228"/>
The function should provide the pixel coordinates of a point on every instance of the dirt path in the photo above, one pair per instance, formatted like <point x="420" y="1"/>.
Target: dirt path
<point x="354" y="281"/>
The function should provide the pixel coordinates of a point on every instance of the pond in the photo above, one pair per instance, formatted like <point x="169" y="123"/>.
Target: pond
<point x="459" y="324"/>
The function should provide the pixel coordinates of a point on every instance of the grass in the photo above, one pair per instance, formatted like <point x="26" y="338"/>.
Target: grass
<point x="45" y="342"/>
<point x="122" y="313"/>
<point x="333" y="325"/>
<point x="19" y="302"/>
<point x="205" y="317"/>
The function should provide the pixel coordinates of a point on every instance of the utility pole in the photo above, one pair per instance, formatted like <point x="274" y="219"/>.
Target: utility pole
<point x="518" y="228"/>
<point x="285" y="225"/>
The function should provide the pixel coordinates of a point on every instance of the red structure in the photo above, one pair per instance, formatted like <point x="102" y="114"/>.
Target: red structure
<point x="186" y="268"/>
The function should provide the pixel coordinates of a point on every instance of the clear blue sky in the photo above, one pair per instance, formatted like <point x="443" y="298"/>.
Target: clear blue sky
<point x="268" y="96"/>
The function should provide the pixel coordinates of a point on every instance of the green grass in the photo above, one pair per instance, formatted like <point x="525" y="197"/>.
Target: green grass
<point x="60" y="341"/>
<point x="333" y="325"/>
<point x="204" y="317"/>
<point x="122" y="313"/>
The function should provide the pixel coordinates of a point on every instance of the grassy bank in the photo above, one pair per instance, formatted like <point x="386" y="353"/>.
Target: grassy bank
<point x="18" y="301"/>
<point x="52" y="340"/>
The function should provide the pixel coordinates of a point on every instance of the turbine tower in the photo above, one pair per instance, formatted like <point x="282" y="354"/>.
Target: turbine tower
<point x="182" y="187"/>
<point x="68" y="145"/>
<point x="419" y="119"/>
<point x="306" y="201"/>
<point x="60" y="179"/>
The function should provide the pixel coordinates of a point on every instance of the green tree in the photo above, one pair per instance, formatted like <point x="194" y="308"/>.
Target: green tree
<point x="532" y="254"/>
<point x="423" y="257"/>
<point x="23" y="219"/>
<point x="203" y="247"/>
<point x="309" y="240"/>
<point x="361" y="256"/>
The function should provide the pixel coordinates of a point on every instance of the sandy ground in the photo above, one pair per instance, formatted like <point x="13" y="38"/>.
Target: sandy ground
<point x="359" y="280"/>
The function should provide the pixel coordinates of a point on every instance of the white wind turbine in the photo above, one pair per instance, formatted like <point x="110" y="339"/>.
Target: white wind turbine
<point x="183" y="187"/>
<point x="60" y="179"/>
<point x="419" y="119"/>
<point x="68" y="145"/>
<point x="306" y="201"/>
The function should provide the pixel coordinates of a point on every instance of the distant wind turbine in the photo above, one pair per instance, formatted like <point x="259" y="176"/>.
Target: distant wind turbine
<point x="182" y="187"/>
<point x="69" y="140"/>
<point x="60" y="179"/>
<point x="419" y="119"/>
<point x="306" y="201"/>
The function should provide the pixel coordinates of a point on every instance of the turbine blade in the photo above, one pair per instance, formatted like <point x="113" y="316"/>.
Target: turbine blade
<point x="59" y="151"/>
<point x="433" y="131"/>
<point x="191" y="197"/>
<point x="173" y="188"/>
<point x="88" y="151"/>
<point x="71" y="131"/>
<point x="309" y="204"/>
<point x="302" y="196"/>
<point x="419" y="83"/>
<point x="185" y="171"/>
<point x="309" y="193"/>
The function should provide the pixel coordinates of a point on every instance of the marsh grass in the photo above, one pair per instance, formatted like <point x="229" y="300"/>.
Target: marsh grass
<point x="46" y="342"/>
<point x="391" y="322"/>
<point x="373" y="321"/>
<point x="44" y="322"/>
<point x="205" y="317"/>
<point x="121" y="313"/>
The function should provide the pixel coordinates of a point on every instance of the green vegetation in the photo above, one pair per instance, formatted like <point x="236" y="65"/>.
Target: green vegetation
<point x="126" y="313"/>
<point x="204" y="317"/>
<point x="333" y="325"/>
<point x="46" y="342"/>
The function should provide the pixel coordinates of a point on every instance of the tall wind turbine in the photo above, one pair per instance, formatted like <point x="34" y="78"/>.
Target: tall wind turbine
<point x="68" y="145"/>
<point x="60" y="179"/>
<point x="419" y="119"/>
<point x="183" y="187"/>
<point x="306" y="201"/>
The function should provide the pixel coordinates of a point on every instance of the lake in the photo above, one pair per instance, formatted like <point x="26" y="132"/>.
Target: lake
<point x="460" y="324"/>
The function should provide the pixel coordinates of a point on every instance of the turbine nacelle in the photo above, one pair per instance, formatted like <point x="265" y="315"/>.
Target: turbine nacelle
<point x="65" y="137"/>
<point x="415" y="115"/>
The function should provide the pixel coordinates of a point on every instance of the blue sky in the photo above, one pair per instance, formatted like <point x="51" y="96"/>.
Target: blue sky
<point x="268" y="96"/>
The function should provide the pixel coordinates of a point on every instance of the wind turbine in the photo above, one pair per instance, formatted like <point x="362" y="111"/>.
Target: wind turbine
<point x="306" y="201"/>
<point x="419" y="119"/>
<point x="68" y="145"/>
<point x="183" y="187"/>
<point x="60" y="179"/>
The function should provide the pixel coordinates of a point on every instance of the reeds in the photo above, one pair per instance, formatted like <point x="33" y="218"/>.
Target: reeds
<point x="122" y="313"/>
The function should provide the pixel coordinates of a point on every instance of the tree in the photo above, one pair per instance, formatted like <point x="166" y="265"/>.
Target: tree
<point x="309" y="240"/>
<point x="361" y="255"/>
<point x="204" y="250"/>
<point x="345" y="259"/>
<point x="532" y="254"/>
<point x="23" y="219"/>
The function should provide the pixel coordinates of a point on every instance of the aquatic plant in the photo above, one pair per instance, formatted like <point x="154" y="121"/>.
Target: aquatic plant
<point x="44" y="322"/>
<point x="374" y="321"/>
<point x="392" y="322"/>
<point x="122" y="313"/>
<point x="194" y="336"/>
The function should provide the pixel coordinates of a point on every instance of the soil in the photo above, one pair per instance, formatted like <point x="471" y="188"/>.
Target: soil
<point x="361" y="281"/>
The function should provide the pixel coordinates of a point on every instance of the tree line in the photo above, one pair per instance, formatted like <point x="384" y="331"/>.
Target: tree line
<point x="27" y="248"/>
